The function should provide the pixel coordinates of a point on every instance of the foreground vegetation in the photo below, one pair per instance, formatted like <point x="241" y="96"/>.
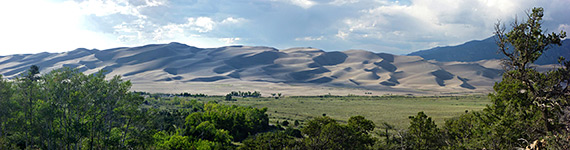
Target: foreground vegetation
<point x="65" y="109"/>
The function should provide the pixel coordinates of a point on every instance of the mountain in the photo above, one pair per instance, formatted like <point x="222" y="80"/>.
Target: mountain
<point x="177" y="67"/>
<point x="485" y="50"/>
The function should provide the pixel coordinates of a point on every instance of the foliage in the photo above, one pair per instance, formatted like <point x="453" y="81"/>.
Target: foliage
<point x="320" y="133"/>
<point x="391" y="140"/>
<point x="462" y="132"/>
<point x="214" y="127"/>
<point x="547" y="91"/>
<point x="293" y="132"/>
<point x="186" y="94"/>
<point x="527" y="106"/>
<point x="285" y="123"/>
<point x="207" y="131"/>
<point x="270" y="140"/>
<point x="66" y="109"/>
<point x="239" y="121"/>
<point x="502" y="125"/>
<point x="178" y="142"/>
<point x="423" y="133"/>
<point x="326" y="133"/>
<point x="7" y="111"/>
<point x="229" y="97"/>
<point x="245" y="94"/>
<point x="539" y="97"/>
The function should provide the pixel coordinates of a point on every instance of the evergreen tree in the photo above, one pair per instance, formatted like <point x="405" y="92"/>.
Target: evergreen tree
<point x="545" y="90"/>
<point x="527" y="105"/>
<point x="423" y="134"/>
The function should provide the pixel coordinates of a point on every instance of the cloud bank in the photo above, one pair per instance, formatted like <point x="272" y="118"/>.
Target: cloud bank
<point x="397" y="27"/>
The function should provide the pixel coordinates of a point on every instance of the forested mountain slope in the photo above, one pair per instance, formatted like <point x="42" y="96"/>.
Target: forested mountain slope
<point x="485" y="50"/>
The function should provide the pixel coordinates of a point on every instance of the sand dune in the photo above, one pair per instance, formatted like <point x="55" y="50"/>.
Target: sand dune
<point x="294" y="71"/>
<point x="367" y="76"/>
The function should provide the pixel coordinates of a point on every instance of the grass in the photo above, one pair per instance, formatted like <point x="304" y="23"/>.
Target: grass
<point x="391" y="109"/>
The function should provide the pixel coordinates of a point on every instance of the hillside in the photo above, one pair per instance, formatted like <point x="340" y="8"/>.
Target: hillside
<point x="178" y="67"/>
<point x="485" y="50"/>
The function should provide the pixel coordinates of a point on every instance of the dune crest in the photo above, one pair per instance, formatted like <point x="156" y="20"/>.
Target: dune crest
<point x="185" y="68"/>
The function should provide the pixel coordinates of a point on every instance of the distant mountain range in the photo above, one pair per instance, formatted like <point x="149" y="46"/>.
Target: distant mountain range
<point x="178" y="67"/>
<point x="485" y="50"/>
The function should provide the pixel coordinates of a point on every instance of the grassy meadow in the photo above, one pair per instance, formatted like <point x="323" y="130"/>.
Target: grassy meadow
<point x="391" y="109"/>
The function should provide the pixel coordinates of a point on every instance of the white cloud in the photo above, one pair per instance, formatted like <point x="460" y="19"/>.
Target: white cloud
<point x="36" y="26"/>
<point x="425" y="22"/>
<point x="142" y="31"/>
<point x="341" y="34"/>
<point x="343" y="2"/>
<point x="382" y="25"/>
<point x="107" y="7"/>
<point x="231" y="20"/>
<point x="124" y="7"/>
<point x="229" y="40"/>
<point x="152" y="3"/>
<point x="563" y="27"/>
<point x="201" y="24"/>
<point x="306" y="4"/>
<point x="134" y="32"/>
<point x="170" y="31"/>
<point x="63" y="26"/>
<point x="309" y="38"/>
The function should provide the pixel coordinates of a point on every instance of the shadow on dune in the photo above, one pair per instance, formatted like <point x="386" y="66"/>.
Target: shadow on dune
<point x="441" y="76"/>
<point x="208" y="79"/>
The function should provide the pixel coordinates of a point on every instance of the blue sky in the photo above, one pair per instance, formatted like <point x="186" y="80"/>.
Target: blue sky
<point x="397" y="27"/>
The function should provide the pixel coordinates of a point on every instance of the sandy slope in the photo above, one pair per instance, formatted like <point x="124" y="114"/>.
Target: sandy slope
<point x="176" y="67"/>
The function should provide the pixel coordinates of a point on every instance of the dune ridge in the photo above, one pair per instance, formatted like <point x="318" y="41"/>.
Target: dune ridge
<point x="184" y="68"/>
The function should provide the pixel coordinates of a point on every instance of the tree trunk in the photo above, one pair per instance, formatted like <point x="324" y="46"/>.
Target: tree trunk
<point x="3" y="132"/>
<point x="545" y="115"/>
<point x="125" y="133"/>
<point x="387" y="137"/>
<point x="92" y="135"/>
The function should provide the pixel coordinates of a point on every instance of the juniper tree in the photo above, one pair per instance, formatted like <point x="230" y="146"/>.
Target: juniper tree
<point x="522" y="46"/>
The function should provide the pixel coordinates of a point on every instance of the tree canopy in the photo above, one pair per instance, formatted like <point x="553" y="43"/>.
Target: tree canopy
<point x="527" y="105"/>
